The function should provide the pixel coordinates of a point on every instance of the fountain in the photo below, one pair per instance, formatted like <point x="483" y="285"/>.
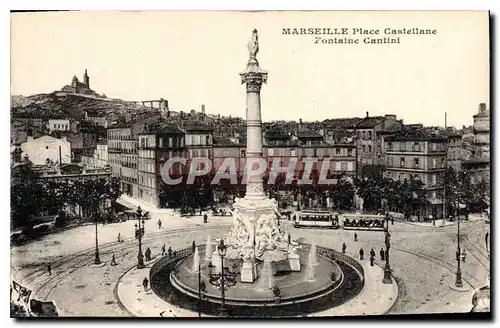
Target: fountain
<point x="196" y="261"/>
<point x="255" y="242"/>
<point x="208" y="250"/>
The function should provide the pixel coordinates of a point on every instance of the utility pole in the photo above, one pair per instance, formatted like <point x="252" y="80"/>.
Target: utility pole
<point x="446" y="168"/>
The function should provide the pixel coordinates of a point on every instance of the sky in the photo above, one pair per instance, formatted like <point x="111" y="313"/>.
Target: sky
<point x="194" y="58"/>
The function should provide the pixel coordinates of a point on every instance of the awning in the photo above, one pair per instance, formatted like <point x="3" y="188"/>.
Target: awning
<point x="123" y="202"/>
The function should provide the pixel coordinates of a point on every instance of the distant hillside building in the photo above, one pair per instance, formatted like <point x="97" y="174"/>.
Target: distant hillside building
<point x="47" y="149"/>
<point x="80" y="87"/>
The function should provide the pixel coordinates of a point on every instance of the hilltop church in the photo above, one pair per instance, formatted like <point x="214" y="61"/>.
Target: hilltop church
<point x="80" y="87"/>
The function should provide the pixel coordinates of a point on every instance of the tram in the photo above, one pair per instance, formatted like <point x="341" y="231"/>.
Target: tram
<point x="316" y="218"/>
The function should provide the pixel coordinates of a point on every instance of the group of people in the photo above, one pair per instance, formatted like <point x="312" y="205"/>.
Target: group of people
<point x="371" y="223"/>
<point x="362" y="252"/>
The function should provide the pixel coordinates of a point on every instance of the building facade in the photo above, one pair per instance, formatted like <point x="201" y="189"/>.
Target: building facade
<point x="47" y="149"/>
<point x="414" y="152"/>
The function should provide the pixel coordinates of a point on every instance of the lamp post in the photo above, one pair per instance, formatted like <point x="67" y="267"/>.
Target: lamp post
<point x="458" y="281"/>
<point x="97" y="260"/>
<point x="139" y="233"/>
<point x="224" y="279"/>
<point x="387" y="268"/>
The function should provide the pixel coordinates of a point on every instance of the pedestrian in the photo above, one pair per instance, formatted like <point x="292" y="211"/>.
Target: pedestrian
<point x="344" y="247"/>
<point x="382" y="254"/>
<point x="113" y="260"/>
<point x="361" y="253"/>
<point x="372" y="253"/>
<point x="205" y="218"/>
<point x="163" y="250"/>
<point x="392" y="221"/>
<point x="119" y="237"/>
<point x="372" y="258"/>
<point x="355" y="237"/>
<point x="49" y="269"/>
<point x="194" y="246"/>
<point x="159" y="224"/>
<point x="145" y="283"/>
<point x="169" y="252"/>
<point x="463" y="255"/>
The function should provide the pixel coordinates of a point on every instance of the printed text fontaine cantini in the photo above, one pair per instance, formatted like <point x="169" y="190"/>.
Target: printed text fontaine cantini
<point x="344" y="35"/>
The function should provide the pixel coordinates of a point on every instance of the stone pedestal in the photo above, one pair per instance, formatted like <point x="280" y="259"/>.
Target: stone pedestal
<point x="248" y="272"/>
<point x="294" y="262"/>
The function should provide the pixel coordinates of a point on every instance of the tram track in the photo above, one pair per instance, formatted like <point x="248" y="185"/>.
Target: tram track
<point x="82" y="257"/>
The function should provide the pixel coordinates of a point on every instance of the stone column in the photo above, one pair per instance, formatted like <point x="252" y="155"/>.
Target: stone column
<point x="253" y="77"/>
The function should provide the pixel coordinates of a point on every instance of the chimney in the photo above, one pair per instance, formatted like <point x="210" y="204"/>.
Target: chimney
<point x="203" y="109"/>
<point x="367" y="114"/>
<point x="482" y="107"/>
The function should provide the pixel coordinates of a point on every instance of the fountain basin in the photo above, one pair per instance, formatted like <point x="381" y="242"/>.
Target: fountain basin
<point x="173" y="281"/>
<point x="295" y="286"/>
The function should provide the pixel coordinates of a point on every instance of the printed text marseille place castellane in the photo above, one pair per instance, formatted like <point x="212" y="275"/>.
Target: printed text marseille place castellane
<point x="344" y="35"/>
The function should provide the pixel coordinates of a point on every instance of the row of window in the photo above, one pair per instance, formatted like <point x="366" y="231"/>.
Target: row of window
<point x="147" y="167"/>
<point x="60" y="126"/>
<point x="147" y="181"/>
<point x="432" y="178"/>
<point x="196" y="139"/>
<point x="416" y="163"/>
<point x="414" y="146"/>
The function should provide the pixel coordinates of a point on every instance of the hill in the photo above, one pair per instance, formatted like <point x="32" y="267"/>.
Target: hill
<point x="69" y="106"/>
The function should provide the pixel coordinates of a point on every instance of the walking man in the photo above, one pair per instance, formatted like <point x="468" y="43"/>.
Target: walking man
<point x="49" y="269"/>
<point x="163" y="250"/>
<point x="194" y="246"/>
<point x="372" y="258"/>
<point x="361" y="253"/>
<point x="159" y="224"/>
<point x="463" y="255"/>
<point x="355" y="237"/>
<point x="344" y="247"/>
<point x="372" y="253"/>
<point x="382" y="254"/>
<point x="145" y="283"/>
<point x="148" y="254"/>
<point x="113" y="260"/>
<point x="169" y="252"/>
<point x="392" y="221"/>
<point x="119" y="237"/>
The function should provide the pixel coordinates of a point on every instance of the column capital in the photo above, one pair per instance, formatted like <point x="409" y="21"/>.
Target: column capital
<point x="253" y="78"/>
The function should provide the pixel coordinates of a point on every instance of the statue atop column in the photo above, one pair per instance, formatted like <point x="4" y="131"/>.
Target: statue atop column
<point x="253" y="48"/>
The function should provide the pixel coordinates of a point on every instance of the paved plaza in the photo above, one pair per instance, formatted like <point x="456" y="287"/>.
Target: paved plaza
<point x="422" y="259"/>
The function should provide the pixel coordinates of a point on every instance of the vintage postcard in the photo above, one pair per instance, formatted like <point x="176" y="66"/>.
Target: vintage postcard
<point x="250" y="164"/>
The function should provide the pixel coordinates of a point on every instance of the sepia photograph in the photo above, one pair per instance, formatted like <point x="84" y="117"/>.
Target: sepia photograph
<point x="250" y="164"/>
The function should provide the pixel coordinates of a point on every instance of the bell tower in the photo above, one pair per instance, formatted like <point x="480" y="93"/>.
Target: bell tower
<point x="86" y="79"/>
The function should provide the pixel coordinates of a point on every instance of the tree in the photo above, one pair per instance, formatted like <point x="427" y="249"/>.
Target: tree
<point x="411" y="193"/>
<point x="371" y="187"/>
<point x="342" y="194"/>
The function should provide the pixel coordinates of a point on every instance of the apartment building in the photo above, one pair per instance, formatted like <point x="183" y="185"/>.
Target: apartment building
<point x="421" y="154"/>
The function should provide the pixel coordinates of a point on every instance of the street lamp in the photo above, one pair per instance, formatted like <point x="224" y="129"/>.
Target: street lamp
<point x="458" y="281"/>
<point x="97" y="260"/>
<point x="224" y="279"/>
<point x="387" y="268"/>
<point x="139" y="233"/>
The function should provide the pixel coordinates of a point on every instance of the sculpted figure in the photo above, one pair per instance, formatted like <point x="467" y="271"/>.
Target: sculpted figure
<point x="253" y="46"/>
